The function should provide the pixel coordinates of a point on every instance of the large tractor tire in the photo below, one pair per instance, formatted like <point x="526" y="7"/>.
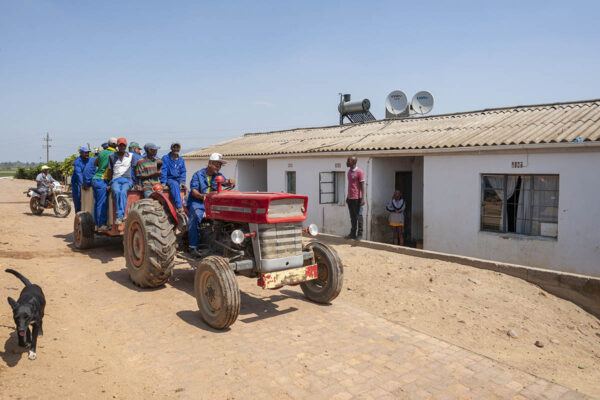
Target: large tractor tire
<point x="329" y="283"/>
<point x="149" y="243"/>
<point x="83" y="230"/>
<point x="35" y="207"/>
<point x="62" y="207"/>
<point x="217" y="292"/>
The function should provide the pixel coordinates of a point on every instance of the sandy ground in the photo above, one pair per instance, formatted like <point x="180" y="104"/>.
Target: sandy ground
<point x="475" y="309"/>
<point x="105" y="339"/>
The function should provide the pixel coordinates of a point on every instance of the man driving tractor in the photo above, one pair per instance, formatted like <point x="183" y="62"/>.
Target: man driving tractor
<point x="202" y="182"/>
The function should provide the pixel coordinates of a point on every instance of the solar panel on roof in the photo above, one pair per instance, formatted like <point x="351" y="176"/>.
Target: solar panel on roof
<point x="358" y="117"/>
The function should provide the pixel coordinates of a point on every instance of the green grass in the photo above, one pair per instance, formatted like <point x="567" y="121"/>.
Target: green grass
<point x="7" y="172"/>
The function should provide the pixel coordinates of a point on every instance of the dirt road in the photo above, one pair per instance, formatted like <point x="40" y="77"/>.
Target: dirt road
<point x="104" y="338"/>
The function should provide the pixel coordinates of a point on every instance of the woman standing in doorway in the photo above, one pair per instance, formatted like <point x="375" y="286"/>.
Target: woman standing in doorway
<point x="396" y="208"/>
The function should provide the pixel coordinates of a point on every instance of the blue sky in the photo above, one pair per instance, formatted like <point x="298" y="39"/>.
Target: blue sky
<point x="203" y="72"/>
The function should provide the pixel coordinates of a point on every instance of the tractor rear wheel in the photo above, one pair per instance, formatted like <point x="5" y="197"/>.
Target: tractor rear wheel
<point x="217" y="292"/>
<point x="149" y="243"/>
<point x="83" y="230"/>
<point x="35" y="207"/>
<point x="328" y="285"/>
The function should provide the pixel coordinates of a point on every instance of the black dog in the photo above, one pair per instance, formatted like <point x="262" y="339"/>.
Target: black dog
<point x="28" y="310"/>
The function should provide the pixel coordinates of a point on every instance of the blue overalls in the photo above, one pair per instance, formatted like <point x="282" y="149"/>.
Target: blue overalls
<point x="172" y="174"/>
<point x="204" y="184"/>
<point x="77" y="181"/>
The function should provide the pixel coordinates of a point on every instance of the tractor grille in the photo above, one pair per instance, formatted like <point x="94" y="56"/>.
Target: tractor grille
<point x="280" y="240"/>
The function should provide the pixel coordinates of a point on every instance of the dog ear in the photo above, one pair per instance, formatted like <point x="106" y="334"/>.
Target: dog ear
<point x="12" y="303"/>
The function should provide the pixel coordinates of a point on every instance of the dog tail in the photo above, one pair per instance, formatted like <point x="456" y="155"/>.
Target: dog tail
<point x="25" y="281"/>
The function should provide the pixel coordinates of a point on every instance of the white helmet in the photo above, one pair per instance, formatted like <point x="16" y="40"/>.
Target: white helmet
<point x="217" y="157"/>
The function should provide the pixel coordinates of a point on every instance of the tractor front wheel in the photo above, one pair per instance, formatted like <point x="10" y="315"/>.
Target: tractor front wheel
<point x="149" y="243"/>
<point x="83" y="230"/>
<point x="217" y="292"/>
<point x="328" y="284"/>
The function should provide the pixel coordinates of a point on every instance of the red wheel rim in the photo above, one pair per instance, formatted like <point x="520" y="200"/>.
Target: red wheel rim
<point x="136" y="244"/>
<point x="77" y="230"/>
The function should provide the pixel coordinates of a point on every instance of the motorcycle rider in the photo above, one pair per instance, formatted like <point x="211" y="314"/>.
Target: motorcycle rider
<point x="77" y="177"/>
<point x="203" y="182"/>
<point x="44" y="184"/>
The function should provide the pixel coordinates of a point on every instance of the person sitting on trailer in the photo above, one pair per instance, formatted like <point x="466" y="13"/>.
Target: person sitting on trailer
<point x="77" y="177"/>
<point x="120" y="177"/>
<point x="202" y="183"/>
<point x="100" y="185"/>
<point x="174" y="174"/>
<point x="136" y="153"/>
<point x="148" y="170"/>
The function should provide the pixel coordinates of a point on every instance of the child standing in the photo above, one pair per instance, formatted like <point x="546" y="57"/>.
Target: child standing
<point x="396" y="207"/>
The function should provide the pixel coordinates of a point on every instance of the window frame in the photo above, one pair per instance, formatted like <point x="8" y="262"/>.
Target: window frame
<point x="504" y="203"/>
<point x="288" y="181"/>
<point x="338" y="187"/>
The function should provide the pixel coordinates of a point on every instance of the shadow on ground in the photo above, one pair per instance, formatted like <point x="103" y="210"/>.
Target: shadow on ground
<point x="12" y="353"/>
<point x="122" y="278"/>
<point x="105" y="249"/>
<point x="253" y="308"/>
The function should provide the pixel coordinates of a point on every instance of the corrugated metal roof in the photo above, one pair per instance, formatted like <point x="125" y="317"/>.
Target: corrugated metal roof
<point x="521" y="125"/>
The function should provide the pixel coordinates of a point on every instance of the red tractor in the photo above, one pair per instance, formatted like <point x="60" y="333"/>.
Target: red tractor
<point x="254" y="234"/>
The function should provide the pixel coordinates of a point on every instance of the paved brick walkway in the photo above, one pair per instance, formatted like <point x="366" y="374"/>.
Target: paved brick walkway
<point x="300" y="350"/>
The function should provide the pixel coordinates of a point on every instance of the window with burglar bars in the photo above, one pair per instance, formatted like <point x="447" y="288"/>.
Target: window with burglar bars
<point x="523" y="204"/>
<point x="331" y="187"/>
<point x="290" y="182"/>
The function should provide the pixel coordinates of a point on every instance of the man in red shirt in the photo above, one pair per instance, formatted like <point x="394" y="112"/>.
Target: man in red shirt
<point x="355" y="198"/>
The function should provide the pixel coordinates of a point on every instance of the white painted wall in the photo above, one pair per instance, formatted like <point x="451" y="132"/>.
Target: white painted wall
<point x="452" y="202"/>
<point x="252" y="175"/>
<point x="381" y="188"/>
<point x="331" y="218"/>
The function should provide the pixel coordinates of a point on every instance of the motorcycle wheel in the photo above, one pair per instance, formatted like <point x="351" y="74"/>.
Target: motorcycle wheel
<point x="35" y="207"/>
<point x="62" y="208"/>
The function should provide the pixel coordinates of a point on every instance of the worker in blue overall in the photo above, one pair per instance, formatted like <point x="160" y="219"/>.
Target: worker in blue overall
<point x="202" y="182"/>
<point x="77" y="177"/>
<point x="173" y="174"/>
<point x="136" y="153"/>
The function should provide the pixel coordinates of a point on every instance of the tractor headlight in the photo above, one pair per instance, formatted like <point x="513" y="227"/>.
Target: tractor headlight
<point x="237" y="236"/>
<point x="313" y="230"/>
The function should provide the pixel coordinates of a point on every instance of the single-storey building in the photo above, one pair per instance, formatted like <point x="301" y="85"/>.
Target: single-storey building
<point x="517" y="184"/>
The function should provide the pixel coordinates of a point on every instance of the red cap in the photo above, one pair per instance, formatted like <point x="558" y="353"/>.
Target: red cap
<point x="121" y="140"/>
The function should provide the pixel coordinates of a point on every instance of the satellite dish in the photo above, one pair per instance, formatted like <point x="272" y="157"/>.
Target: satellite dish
<point x="422" y="102"/>
<point x="396" y="102"/>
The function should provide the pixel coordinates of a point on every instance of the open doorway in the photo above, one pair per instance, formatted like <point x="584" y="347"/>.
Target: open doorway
<point x="403" y="183"/>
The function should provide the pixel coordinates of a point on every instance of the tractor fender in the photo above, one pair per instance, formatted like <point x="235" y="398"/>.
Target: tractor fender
<point x="163" y="198"/>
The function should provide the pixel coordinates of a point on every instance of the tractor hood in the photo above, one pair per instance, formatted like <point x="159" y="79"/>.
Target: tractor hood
<point x="256" y="207"/>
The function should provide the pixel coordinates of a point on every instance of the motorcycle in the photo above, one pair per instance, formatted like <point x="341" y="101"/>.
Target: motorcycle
<point x="55" y="199"/>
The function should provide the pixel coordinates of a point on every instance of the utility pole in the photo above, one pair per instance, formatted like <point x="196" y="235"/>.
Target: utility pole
<point x="47" y="146"/>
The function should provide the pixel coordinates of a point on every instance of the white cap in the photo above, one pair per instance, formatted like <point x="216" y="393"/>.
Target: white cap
<point x="217" y="157"/>
<point x="112" y="140"/>
<point x="45" y="167"/>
